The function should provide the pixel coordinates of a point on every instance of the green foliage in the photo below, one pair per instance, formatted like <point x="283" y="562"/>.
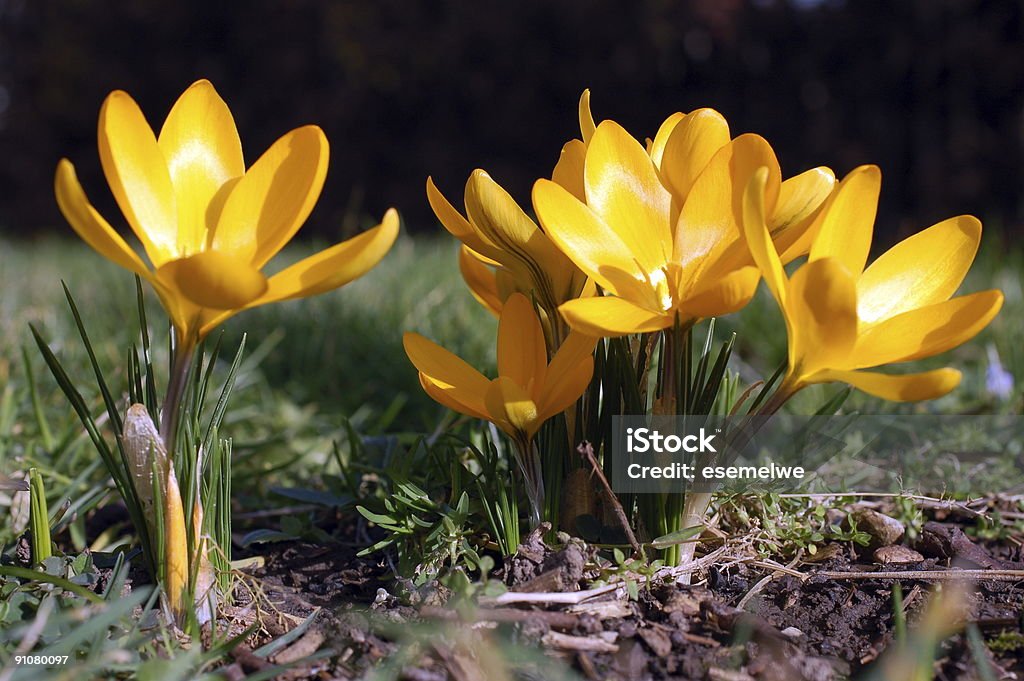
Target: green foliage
<point x="781" y="525"/>
<point x="39" y="518"/>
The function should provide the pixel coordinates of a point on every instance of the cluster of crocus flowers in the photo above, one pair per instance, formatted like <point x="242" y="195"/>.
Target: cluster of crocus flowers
<point x="683" y="228"/>
<point x="842" y="317"/>
<point x="659" y="229"/>
<point x="528" y="390"/>
<point x="208" y="226"/>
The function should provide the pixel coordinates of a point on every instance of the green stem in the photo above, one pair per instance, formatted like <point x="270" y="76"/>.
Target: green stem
<point x="785" y="391"/>
<point x="175" y="391"/>
<point x="529" y="466"/>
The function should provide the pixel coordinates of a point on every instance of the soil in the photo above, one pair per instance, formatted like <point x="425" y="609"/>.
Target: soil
<point x="744" y="616"/>
<point x="812" y="627"/>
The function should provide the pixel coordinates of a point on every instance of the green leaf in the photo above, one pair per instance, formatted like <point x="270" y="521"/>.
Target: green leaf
<point x="312" y="496"/>
<point x="375" y="517"/>
<point x="265" y="536"/>
<point x="678" y="537"/>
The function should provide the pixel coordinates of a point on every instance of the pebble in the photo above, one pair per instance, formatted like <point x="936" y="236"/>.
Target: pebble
<point x="884" y="530"/>
<point x="897" y="555"/>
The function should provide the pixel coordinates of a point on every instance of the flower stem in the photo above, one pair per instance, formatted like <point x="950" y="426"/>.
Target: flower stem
<point x="785" y="391"/>
<point x="175" y="391"/>
<point x="529" y="466"/>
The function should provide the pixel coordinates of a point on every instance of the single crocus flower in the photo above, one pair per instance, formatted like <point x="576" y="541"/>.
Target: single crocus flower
<point x="659" y="229"/>
<point x="505" y="252"/>
<point x="528" y="391"/>
<point x="209" y="225"/>
<point x="842" y="318"/>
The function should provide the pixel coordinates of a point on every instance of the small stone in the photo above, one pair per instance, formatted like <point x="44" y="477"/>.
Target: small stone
<point x="792" y="633"/>
<point x="826" y="552"/>
<point x="884" y="530"/>
<point x="897" y="555"/>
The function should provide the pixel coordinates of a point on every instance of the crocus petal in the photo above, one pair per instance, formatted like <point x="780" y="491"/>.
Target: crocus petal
<point x="457" y="225"/>
<point x="759" y="240"/>
<point x="709" y="223"/>
<point x="453" y="398"/>
<point x="568" y="374"/>
<point x="274" y="197"/>
<point x="587" y="126"/>
<point x="624" y="190"/>
<point x="138" y="177"/>
<point x="692" y="144"/>
<point x="569" y="169"/>
<point x="90" y="225"/>
<point x="845" y="224"/>
<point x="610" y="316"/>
<point x="526" y="249"/>
<point x="722" y="295"/>
<point x="200" y="144"/>
<point x="582" y="235"/>
<point x="335" y="266"/>
<point x="821" y="315"/>
<point x="927" y="385"/>
<point x="573" y="349"/>
<point x="522" y="353"/>
<point x="923" y="269"/>
<point x="800" y="198"/>
<point x="481" y="279"/>
<point x="561" y="390"/>
<point x="214" y="279"/>
<point x="448" y="372"/>
<point x="508" y="402"/>
<point x="657" y="150"/>
<point x="928" y="330"/>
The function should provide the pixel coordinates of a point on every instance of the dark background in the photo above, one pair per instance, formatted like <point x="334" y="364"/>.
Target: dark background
<point x="931" y="90"/>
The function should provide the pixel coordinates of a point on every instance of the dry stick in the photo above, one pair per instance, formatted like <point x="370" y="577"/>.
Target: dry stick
<point x="576" y="597"/>
<point x="763" y="582"/>
<point x="941" y="503"/>
<point x="556" y="620"/>
<point x="982" y="575"/>
<point x="586" y="450"/>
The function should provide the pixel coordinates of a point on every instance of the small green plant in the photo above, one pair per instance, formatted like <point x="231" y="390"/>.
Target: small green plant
<point x="782" y="525"/>
<point x="39" y="518"/>
<point x="188" y="557"/>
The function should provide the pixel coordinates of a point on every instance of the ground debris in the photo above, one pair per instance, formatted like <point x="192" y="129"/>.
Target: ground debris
<point x="897" y="555"/>
<point x="817" y="618"/>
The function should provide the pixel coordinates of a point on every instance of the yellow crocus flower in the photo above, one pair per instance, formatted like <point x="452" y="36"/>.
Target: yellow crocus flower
<point x="503" y="249"/>
<point x="528" y="390"/>
<point x="207" y="224"/>
<point x="659" y="229"/>
<point x="842" y="318"/>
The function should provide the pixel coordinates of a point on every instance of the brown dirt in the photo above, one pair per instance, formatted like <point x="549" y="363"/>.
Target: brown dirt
<point x="793" y="629"/>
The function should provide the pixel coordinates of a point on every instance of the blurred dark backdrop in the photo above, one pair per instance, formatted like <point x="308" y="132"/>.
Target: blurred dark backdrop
<point x="931" y="90"/>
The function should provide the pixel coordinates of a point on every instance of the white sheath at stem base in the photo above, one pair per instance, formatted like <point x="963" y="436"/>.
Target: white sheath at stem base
<point x="147" y="456"/>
